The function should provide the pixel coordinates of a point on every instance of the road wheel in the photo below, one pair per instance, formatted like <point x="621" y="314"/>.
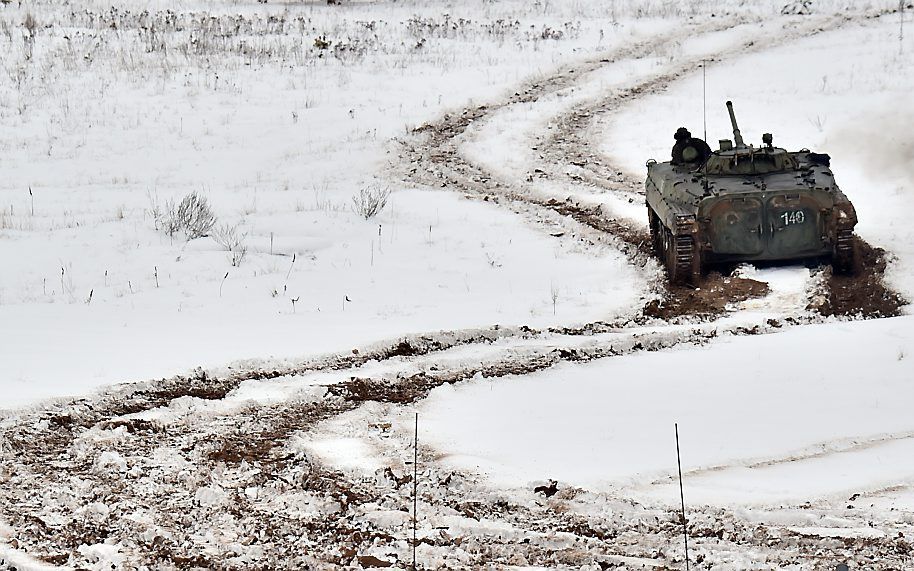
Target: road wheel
<point x="681" y="259"/>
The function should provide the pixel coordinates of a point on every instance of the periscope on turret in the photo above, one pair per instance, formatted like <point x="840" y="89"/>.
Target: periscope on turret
<point x="742" y="203"/>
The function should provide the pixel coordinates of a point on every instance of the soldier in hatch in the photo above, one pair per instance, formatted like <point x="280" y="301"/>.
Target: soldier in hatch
<point x="688" y="149"/>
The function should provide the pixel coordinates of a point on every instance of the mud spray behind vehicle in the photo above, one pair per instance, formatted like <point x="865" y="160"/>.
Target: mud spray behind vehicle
<point x="746" y="204"/>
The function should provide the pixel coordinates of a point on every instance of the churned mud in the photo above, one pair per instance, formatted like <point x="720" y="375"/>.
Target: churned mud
<point x="863" y="293"/>
<point x="186" y="486"/>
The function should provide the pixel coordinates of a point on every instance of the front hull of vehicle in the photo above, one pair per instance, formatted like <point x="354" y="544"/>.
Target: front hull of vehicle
<point x="766" y="226"/>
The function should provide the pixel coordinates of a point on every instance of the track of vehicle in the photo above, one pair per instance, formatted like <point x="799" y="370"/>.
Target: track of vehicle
<point x="129" y="465"/>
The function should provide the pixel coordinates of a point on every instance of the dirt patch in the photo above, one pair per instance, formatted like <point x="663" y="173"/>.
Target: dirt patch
<point x="714" y="296"/>
<point x="268" y="428"/>
<point x="637" y="239"/>
<point x="863" y="293"/>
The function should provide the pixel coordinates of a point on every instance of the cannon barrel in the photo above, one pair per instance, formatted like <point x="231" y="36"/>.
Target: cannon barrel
<point x="737" y="137"/>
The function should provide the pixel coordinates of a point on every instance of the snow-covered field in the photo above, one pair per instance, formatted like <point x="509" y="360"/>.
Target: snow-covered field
<point x="743" y="405"/>
<point x="500" y="293"/>
<point x="102" y="128"/>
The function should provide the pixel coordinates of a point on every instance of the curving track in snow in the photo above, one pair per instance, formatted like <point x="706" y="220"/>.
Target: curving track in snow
<point x="547" y="165"/>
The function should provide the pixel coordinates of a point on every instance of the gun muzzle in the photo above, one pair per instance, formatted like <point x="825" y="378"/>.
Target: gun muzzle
<point x="737" y="137"/>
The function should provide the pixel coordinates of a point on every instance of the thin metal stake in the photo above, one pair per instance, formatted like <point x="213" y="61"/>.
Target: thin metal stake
<point x="415" y="484"/>
<point x="685" y="530"/>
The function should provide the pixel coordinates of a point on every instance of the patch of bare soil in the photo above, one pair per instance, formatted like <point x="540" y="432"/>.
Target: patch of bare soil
<point x="636" y="239"/>
<point x="863" y="293"/>
<point x="711" y="298"/>
<point x="267" y="429"/>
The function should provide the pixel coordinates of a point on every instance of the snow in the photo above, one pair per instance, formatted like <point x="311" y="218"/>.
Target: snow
<point x="446" y="263"/>
<point x="500" y="143"/>
<point x="111" y="460"/>
<point x="23" y="562"/>
<point x="103" y="556"/>
<point x="834" y="474"/>
<point x="748" y="408"/>
<point x="279" y="151"/>
<point x="210" y="496"/>
<point x="346" y="453"/>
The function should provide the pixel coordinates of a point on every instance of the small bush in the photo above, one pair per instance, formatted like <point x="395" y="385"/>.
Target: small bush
<point x="229" y="237"/>
<point x="168" y="219"/>
<point x="192" y="215"/>
<point x="797" y="8"/>
<point x="370" y="201"/>
<point x="30" y="24"/>
<point x="195" y="216"/>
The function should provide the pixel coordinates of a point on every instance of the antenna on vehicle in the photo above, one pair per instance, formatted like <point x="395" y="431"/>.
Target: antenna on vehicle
<point x="685" y="529"/>
<point x="704" y="96"/>
<point x="704" y="115"/>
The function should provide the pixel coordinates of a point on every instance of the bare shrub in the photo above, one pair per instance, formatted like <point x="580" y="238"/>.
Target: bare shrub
<point x="168" y="221"/>
<point x="238" y="256"/>
<point x="370" y="201"/>
<point x="30" y="24"/>
<point x="324" y="204"/>
<point x="192" y="215"/>
<point x="164" y="215"/>
<point x="322" y="43"/>
<point x="798" y="8"/>
<point x="229" y="237"/>
<point x="232" y="239"/>
<point x="195" y="216"/>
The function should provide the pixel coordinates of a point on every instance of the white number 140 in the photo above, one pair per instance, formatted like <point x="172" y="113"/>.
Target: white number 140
<point x="793" y="217"/>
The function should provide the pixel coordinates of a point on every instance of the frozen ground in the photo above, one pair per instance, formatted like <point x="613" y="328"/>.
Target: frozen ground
<point x="102" y="127"/>
<point x="504" y="294"/>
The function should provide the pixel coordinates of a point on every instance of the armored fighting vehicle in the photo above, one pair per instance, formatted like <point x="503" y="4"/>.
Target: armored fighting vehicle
<point x="745" y="204"/>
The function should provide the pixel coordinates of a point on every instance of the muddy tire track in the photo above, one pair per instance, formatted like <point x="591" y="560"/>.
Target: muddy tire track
<point x="189" y="467"/>
<point x="192" y="467"/>
<point x="433" y="159"/>
<point x="862" y="294"/>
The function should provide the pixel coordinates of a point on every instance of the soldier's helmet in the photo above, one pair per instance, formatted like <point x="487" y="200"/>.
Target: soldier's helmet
<point x="682" y="134"/>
